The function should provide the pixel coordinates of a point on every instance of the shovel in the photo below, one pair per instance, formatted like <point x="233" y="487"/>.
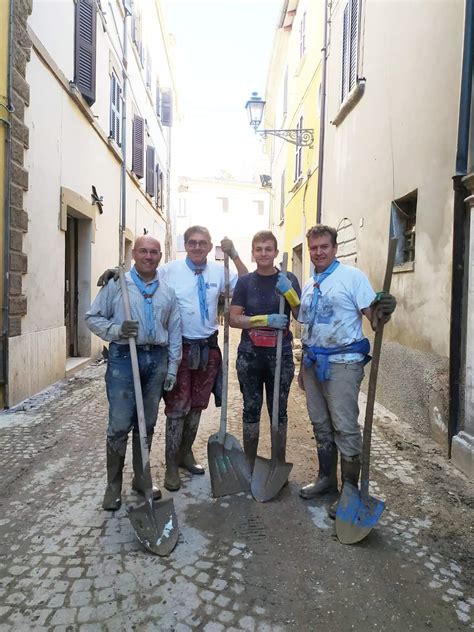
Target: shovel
<point x="270" y="475"/>
<point x="228" y="466"/>
<point x="154" y="522"/>
<point x="357" y="512"/>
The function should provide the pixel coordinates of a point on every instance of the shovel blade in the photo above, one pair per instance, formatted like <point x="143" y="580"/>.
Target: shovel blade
<point x="155" y="525"/>
<point x="356" y="516"/>
<point x="268" y="478"/>
<point x="228" y="466"/>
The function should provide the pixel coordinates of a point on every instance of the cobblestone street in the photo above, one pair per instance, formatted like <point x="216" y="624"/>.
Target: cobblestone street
<point x="239" y="565"/>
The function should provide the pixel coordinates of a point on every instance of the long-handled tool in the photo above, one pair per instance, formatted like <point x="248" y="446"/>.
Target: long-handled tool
<point x="357" y="512"/>
<point x="154" y="522"/>
<point x="228" y="466"/>
<point x="270" y="475"/>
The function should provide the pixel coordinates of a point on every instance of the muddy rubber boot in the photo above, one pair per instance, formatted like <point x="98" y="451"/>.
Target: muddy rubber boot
<point x="250" y="435"/>
<point x="326" y="481"/>
<point x="187" y="460"/>
<point x="113" y="492"/>
<point x="350" y="470"/>
<point x="174" y="434"/>
<point x="138" y="482"/>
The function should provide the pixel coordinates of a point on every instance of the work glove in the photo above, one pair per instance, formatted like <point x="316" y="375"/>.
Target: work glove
<point x="170" y="381"/>
<point x="129" y="329"/>
<point x="382" y="307"/>
<point x="110" y="273"/>
<point x="227" y="246"/>
<point x="277" y="321"/>
<point x="285" y="288"/>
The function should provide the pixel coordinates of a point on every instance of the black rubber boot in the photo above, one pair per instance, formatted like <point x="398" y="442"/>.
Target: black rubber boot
<point x="350" y="470"/>
<point x="187" y="460"/>
<point x="138" y="481"/>
<point x="326" y="482"/>
<point x="250" y="435"/>
<point x="174" y="434"/>
<point x="115" y="461"/>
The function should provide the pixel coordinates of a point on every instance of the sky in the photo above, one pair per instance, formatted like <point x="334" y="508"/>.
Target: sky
<point x="221" y="54"/>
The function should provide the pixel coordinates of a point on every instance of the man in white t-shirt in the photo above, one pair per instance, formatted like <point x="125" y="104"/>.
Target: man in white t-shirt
<point x="334" y="354"/>
<point x="197" y="283"/>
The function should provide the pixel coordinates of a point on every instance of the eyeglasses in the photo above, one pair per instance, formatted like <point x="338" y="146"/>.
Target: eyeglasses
<point x="145" y="251"/>
<point x="193" y="243"/>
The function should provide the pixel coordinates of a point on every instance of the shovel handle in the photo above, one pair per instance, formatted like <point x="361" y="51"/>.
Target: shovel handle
<point x="276" y="383"/>
<point x="374" y="369"/>
<point x="138" y="392"/>
<point x="225" y="352"/>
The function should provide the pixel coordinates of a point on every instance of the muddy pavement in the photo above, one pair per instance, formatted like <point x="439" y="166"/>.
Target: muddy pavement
<point x="239" y="565"/>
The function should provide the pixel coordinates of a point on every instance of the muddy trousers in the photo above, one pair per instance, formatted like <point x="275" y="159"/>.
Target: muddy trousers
<point x="153" y="363"/>
<point x="256" y="373"/>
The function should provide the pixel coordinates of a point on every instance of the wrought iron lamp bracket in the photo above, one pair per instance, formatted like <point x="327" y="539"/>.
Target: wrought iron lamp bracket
<point x="298" y="137"/>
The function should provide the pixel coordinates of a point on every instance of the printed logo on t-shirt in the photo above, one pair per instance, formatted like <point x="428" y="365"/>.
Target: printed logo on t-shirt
<point x="209" y="285"/>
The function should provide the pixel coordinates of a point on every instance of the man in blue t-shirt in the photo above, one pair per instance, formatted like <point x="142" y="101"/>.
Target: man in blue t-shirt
<point x="254" y="309"/>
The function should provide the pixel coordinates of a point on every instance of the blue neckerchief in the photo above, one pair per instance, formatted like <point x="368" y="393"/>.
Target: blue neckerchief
<point x="147" y="290"/>
<point x="318" y="279"/>
<point x="201" y="285"/>
<point x="319" y="356"/>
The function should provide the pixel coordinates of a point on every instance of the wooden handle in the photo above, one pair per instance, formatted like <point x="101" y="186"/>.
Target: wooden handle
<point x="225" y="353"/>
<point x="276" y="383"/>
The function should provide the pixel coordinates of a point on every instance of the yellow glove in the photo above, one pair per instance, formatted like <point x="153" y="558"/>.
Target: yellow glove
<point x="285" y="287"/>
<point x="277" y="321"/>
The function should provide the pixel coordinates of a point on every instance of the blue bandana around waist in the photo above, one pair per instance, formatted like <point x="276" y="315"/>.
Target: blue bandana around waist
<point x="318" y="357"/>
<point x="201" y="286"/>
<point x="147" y="290"/>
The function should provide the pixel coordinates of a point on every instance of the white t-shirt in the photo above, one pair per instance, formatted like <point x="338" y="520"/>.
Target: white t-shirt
<point x="185" y="284"/>
<point x="344" y="293"/>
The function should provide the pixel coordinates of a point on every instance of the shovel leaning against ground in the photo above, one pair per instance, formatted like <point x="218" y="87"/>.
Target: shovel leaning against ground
<point x="228" y="466"/>
<point x="357" y="511"/>
<point x="270" y="475"/>
<point x="154" y="522"/>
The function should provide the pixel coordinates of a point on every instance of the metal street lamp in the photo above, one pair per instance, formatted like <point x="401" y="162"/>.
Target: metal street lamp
<point x="299" y="137"/>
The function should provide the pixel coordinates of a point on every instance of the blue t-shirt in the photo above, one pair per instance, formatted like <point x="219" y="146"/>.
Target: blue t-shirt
<point x="256" y="293"/>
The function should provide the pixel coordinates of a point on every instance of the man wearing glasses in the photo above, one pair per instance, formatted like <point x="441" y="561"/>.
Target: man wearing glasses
<point x="156" y="327"/>
<point x="198" y="283"/>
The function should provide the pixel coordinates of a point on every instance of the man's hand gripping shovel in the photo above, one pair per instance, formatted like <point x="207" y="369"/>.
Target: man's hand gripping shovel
<point x="154" y="522"/>
<point x="228" y="466"/>
<point x="357" y="511"/>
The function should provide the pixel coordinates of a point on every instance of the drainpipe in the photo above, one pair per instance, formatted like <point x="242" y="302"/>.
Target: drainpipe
<point x="322" y="117"/>
<point x="123" y="170"/>
<point x="459" y="228"/>
<point x="7" y="214"/>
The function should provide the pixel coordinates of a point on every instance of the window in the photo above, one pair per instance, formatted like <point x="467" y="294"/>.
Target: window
<point x="138" y="145"/>
<point x="282" y="197"/>
<point x="150" y="171"/>
<point x="158" y="99"/>
<point x="303" y="35"/>
<point x="159" y="190"/>
<point x="85" y="48"/>
<point x="403" y="224"/>
<point x="299" y="153"/>
<point x="115" y="108"/>
<point x="182" y="212"/>
<point x="137" y="32"/>
<point x="167" y="108"/>
<point x="259" y="208"/>
<point x="350" y="39"/>
<point x="223" y="204"/>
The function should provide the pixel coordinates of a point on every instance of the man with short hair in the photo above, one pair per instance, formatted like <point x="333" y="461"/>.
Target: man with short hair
<point x="254" y="309"/>
<point x="198" y="283"/>
<point x="156" y="327"/>
<point x="334" y="354"/>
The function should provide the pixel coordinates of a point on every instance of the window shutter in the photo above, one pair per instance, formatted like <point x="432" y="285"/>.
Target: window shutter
<point x="85" y="48"/>
<point x="158" y="99"/>
<point x="345" y="54"/>
<point x="150" y="170"/>
<point x="115" y="108"/>
<point x="162" y="191"/>
<point x="166" y="108"/>
<point x="354" y="42"/>
<point x="138" y="142"/>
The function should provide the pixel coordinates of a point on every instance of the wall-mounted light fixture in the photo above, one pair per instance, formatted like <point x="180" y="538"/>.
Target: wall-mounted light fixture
<point x="299" y="137"/>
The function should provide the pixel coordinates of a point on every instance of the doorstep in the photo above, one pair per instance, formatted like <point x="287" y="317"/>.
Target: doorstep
<point x="75" y="364"/>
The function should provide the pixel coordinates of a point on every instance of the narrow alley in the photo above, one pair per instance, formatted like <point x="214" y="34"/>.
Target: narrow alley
<point x="239" y="565"/>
